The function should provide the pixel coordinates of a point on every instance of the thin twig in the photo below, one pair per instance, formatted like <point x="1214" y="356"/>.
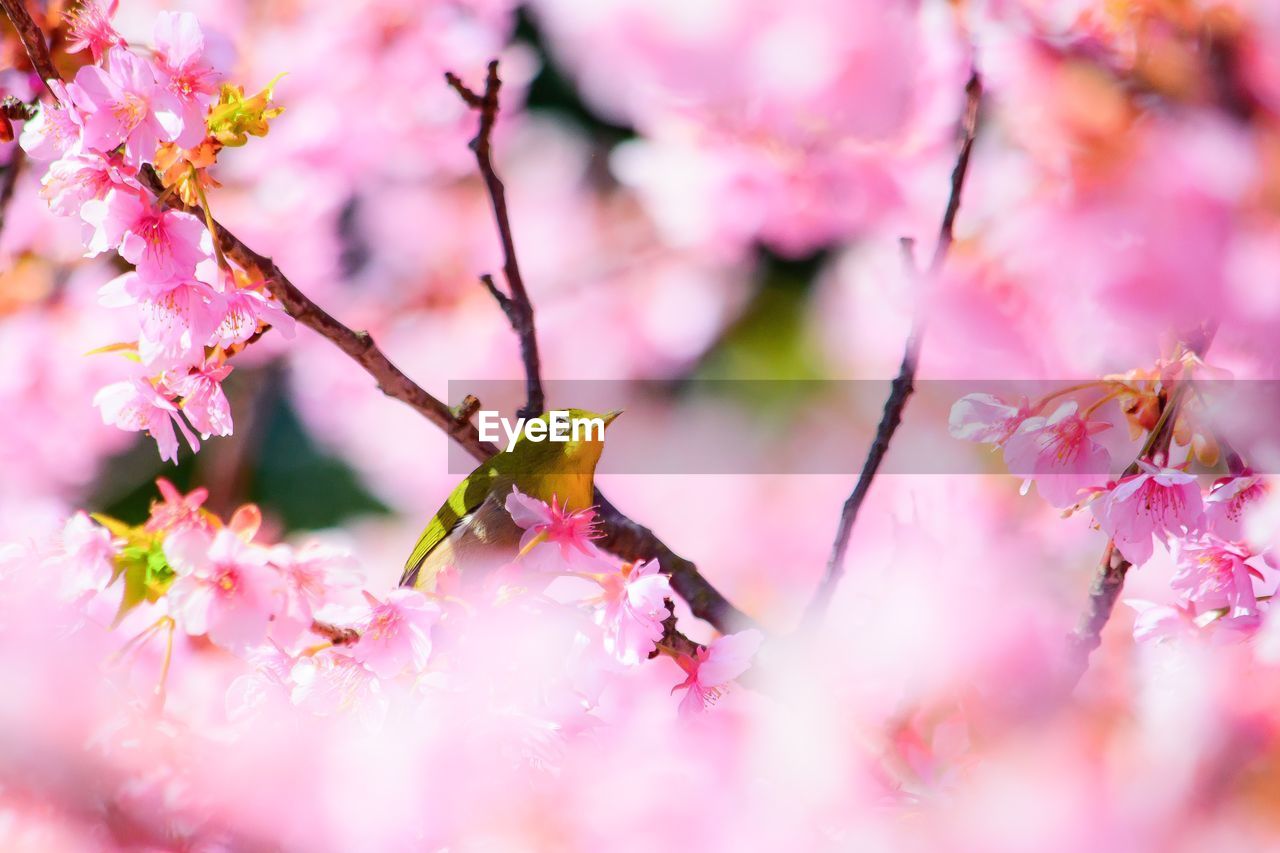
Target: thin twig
<point x="639" y="541"/>
<point x="902" y="386"/>
<point x="515" y="305"/>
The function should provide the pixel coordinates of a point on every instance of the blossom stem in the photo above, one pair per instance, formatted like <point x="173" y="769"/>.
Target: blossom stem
<point x="208" y="219"/>
<point x="165" y="662"/>
<point x="1070" y="389"/>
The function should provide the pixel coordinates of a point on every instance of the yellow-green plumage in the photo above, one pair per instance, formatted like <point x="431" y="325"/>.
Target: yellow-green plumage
<point x="473" y="528"/>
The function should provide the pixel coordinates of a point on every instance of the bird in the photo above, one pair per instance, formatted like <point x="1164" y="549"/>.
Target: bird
<point x="473" y="532"/>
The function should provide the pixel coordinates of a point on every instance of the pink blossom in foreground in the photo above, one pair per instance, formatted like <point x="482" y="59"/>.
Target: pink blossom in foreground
<point x="397" y="632"/>
<point x="1159" y="622"/>
<point x="1227" y="502"/>
<point x="55" y="131"/>
<point x="986" y="418"/>
<point x="125" y="104"/>
<point x="1214" y="574"/>
<point x="163" y="244"/>
<point x="90" y="28"/>
<point x="551" y="523"/>
<point x="714" y="667"/>
<point x="186" y="70"/>
<point x="203" y="401"/>
<point x="314" y="574"/>
<point x="224" y="589"/>
<point x="1155" y="502"/>
<point x="135" y="406"/>
<point x="634" y="605"/>
<point x="87" y="555"/>
<point x="1059" y="454"/>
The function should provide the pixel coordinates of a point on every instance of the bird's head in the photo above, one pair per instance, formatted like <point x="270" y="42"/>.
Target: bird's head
<point x="568" y="440"/>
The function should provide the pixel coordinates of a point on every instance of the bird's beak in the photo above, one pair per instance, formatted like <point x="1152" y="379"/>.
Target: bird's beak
<point x="610" y="417"/>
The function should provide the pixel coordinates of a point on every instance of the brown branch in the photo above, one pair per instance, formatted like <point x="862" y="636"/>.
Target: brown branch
<point x="32" y="40"/>
<point x="516" y="305"/>
<point x="1108" y="580"/>
<point x="636" y="541"/>
<point x="902" y="386"/>
<point x="9" y="183"/>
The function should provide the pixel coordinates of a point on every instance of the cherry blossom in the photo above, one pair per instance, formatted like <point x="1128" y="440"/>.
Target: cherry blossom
<point x="175" y="512"/>
<point x="1059" y="454"/>
<point x="224" y="589"/>
<point x="633" y="607"/>
<point x="986" y="418"/>
<point x="184" y="65"/>
<point x="125" y="104"/>
<point x="1215" y="574"/>
<point x="91" y="29"/>
<point x="203" y="401"/>
<point x="396" y="634"/>
<point x="163" y="244"/>
<point x="135" y="405"/>
<point x="1154" y="503"/>
<point x="55" y="131"/>
<point x="571" y="532"/>
<point x="1227" y="502"/>
<point x="711" y="670"/>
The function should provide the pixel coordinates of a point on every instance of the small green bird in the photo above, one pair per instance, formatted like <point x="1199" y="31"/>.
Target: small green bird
<point x="473" y="532"/>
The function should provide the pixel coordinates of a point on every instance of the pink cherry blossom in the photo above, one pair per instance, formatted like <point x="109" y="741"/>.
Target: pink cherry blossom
<point x="1225" y="505"/>
<point x="1155" y="502"/>
<point x="184" y="66"/>
<point x="126" y="104"/>
<point x="327" y="684"/>
<point x="986" y="418"/>
<point x="397" y="632"/>
<point x="55" y="131"/>
<point x="176" y="511"/>
<point x="571" y="531"/>
<point x="1059" y="454"/>
<point x="1214" y="574"/>
<point x="90" y="28"/>
<point x="74" y="180"/>
<point x="633" y="607"/>
<point x="163" y="244"/>
<point x="1159" y="622"/>
<point x="313" y="574"/>
<point x="136" y="406"/>
<point x="710" y="672"/>
<point x="86" y="561"/>
<point x="224" y="589"/>
<point x="178" y="317"/>
<point x="203" y="401"/>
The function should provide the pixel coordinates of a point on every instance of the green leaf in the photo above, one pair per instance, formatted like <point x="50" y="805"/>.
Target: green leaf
<point x="235" y="118"/>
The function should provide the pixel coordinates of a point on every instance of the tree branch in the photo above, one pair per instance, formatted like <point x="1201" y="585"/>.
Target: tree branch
<point x="32" y="40"/>
<point x="516" y="306"/>
<point x="639" y="542"/>
<point x="902" y="386"/>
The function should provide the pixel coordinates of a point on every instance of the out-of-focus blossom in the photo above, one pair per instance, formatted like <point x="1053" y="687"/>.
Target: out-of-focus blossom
<point x="1227" y="503"/>
<point x="1058" y="453"/>
<point x="175" y="511"/>
<point x="1154" y="503"/>
<point x="224" y="588"/>
<point x="986" y="419"/>
<point x="633" y="606"/>
<point x="396" y="634"/>
<point x="1215" y="574"/>
<point x="711" y="670"/>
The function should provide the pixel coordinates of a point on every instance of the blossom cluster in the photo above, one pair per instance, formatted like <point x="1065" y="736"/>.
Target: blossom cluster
<point x="125" y="119"/>
<point x="1051" y="442"/>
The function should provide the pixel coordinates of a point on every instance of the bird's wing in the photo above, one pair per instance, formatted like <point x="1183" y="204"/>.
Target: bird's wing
<point x="464" y="500"/>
